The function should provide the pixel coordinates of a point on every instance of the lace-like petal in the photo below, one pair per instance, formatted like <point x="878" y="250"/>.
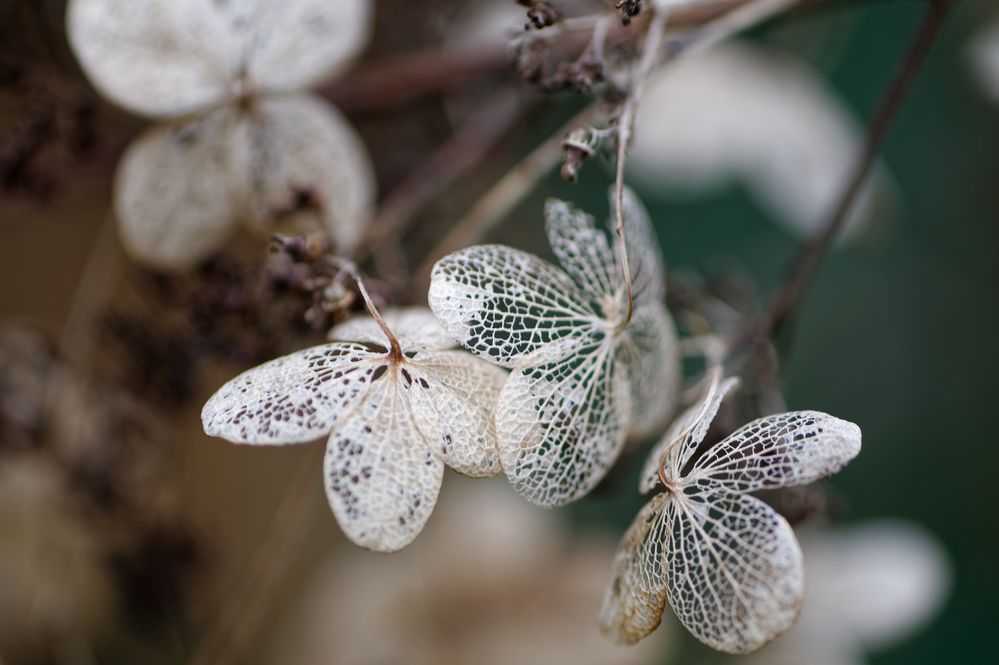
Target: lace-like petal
<point x="454" y="397"/>
<point x="292" y="399"/>
<point x="382" y="477"/>
<point x="582" y="250"/>
<point x="299" y="156"/>
<point x="299" y="43"/>
<point x="777" y="451"/>
<point x="651" y="352"/>
<point x="561" y="425"/>
<point x="414" y="327"/>
<point x="635" y="599"/>
<point x="155" y="57"/>
<point x="687" y="430"/>
<point x="648" y="272"/>
<point x="173" y="195"/>
<point x="508" y="306"/>
<point x="735" y="573"/>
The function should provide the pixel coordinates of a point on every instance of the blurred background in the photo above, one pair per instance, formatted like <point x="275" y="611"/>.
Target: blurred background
<point x="127" y="535"/>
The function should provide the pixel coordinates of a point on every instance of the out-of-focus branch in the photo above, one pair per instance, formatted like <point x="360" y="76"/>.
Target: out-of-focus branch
<point x="803" y="267"/>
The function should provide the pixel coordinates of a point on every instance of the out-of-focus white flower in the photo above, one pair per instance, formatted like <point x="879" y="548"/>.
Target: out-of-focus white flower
<point x="740" y="112"/>
<point x="52" y="584"/>
<point x="869" y="587"/>
<point x="984" y="58"/>
<point x="493" y="580"/>
<point x="239" y="140"/>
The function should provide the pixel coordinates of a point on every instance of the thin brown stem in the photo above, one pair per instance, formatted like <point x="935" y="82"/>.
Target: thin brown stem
<point x="395" y="350"/>
<point x="807" y="261"/>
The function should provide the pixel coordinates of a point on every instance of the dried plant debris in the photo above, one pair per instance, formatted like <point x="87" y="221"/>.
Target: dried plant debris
<point x="585" y="373"/>
<point x="396" y="410"/>
<point x="239" y="138"/>
<point x="729" y="565"/>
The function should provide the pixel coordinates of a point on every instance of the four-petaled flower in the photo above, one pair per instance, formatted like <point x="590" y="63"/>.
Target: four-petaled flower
<point x="239" y="139"/>
<point x="396" y="409"/>
<point x="728" y="563"/>
<point x="588" y="368"/>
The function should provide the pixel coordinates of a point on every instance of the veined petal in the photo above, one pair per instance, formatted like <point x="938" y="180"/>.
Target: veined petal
<point x="173" y="193"/>
<point x="562" y="424"/>
<point x="454" y="396"/>
<point x="687" y="430"/>
<point x="735" y="573"/>
<point x="648" y="271"/>
<point x="635" y="599"/>
<point x="299" y="43"/>
<point x="382" y="479"/>
<point x="582" y="250"/>
<point x="296" y="398"/>
<point x="298" y="156"/>
<point x="416" y="328"/>
<point x="651" y="352"/>
<point x="508" y="306"/>
<point x="778" y="451"/>
<point x="156" y="57"/>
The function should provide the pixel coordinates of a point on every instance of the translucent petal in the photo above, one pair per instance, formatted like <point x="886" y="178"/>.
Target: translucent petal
<point x="414" y="327"/>
<point x="297" y="155"/>
<point x="454" y="395"/>
<point x="648" y="272"/>
<point x="561" y="424"/>
<point x="582" y="250"/>
<point x="295" y="398"/>
<point x="687" y="430"/>
<point x="299" y="43"/>
<point x="651" y="352"/>
<point x="735" y="573"/>
<point x="508" y="306"/>
<point x="382" y="479"/>
<point x="635" y="599"/>
<point x="156" y="57"/>
<point x="778" y="451"/>
<point x="173" y="193"/>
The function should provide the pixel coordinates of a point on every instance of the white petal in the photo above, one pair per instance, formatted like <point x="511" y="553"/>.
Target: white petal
<point x="984" y="54"/>
<point x="582" y="250"/>
<point x="299" y="43"/>
<point x="740" y="112"/>
<point x="155" y="57"/>
<point x="779" y="451"/>
<point x="292" y="399"/>
<point x="880" y="581"/>
<point x="173" y="195"/>
<point x="561" y="425"/>
<point x="734" y="570"/>
<point x="687" y="430"/>
<point x="454" y="397"/>
<point x="648" y="271"/>
<point x="635" y="598"/>
<point x="651" y="352"/>
<point x="299" y="156"/>
<point x="416" y="328"/>
<point x="508" y="306"/>
<point x="382" y="477"/>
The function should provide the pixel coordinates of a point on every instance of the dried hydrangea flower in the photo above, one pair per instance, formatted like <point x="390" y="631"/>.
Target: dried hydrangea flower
<point x="870" y="586"/>
<point x="239" y="138"/>
<point x="588" y="367"/>
<point x="397" y="401"/>
<point x="728" y="563"/>
<point x="739" y="112"/>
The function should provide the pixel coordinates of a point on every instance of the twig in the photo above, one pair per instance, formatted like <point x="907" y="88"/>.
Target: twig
<point x="803" y="267"/>
<point x="625" y="124"/>
<point x="517" y="182"/>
